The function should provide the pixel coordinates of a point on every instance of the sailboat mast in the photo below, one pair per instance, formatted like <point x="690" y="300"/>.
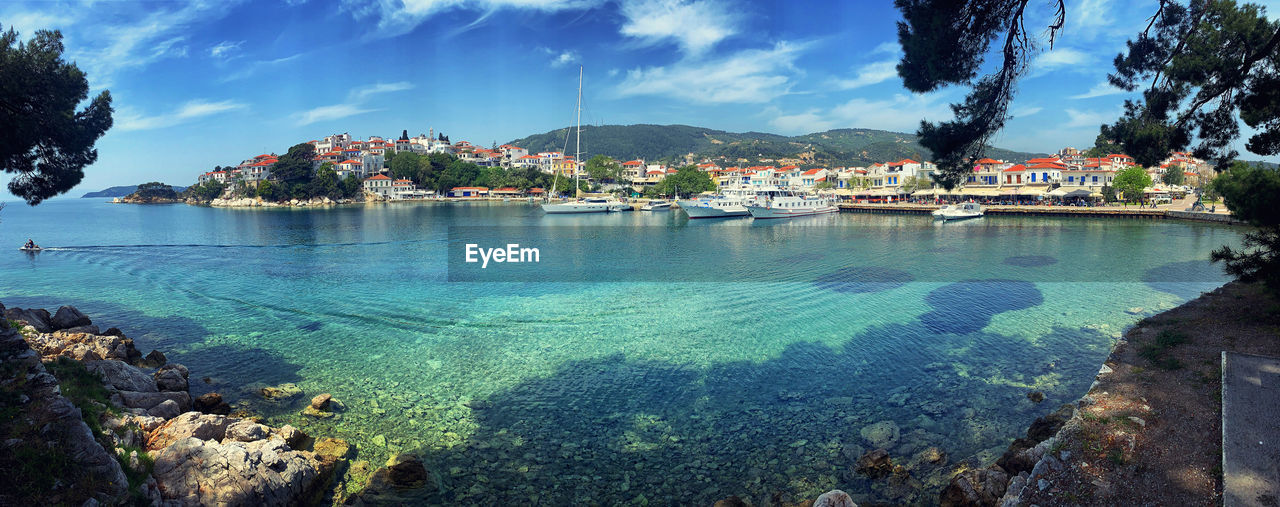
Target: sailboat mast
<point x="578" y="142"/>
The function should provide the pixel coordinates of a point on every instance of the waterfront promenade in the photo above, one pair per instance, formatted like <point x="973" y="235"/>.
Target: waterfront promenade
<point x="1175" y="210"/>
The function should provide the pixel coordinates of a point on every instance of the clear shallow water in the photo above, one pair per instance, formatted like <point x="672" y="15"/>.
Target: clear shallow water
<point x="644" y="388"/>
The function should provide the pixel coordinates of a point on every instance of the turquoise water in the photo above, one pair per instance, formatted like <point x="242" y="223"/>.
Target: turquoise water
<point x="716" y="358"/>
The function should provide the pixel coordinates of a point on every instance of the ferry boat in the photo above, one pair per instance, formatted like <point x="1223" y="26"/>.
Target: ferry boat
<point x="786" y="204"/>
<point x="958" y="211"/>
<point x="730" y="202"/>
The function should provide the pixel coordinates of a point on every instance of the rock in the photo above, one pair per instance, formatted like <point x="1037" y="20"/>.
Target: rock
<point x="1035" y="396"/>
<point x="245" y="431"/>
<point x="69" y="317"/>
<point x="1042" y="484"/>
<point x="933" y="455"/>
<point x="875" y="464"/>
<point x="321" y="401"/>
<point x="975" y="487"/>
<point x="1138" y="420"/>
<point x="114" y="331"/>
<point x="89" y="329"/>
<point x="883" y="434"/>
<point x="167" y="409"/>
<point x="405" y="471"/>
<point x="80" y="346"/>
<point x="834" y="498"/>
<point x="35" y="317"/>
<point x="155" y="359"/>
<point x="121" y="376"/>
<point x="211" y="403"/>
<point x="1047" y="426"/>
<point x="318" y="414"/>
<point x="280" y="392"/>
<point x="195" y="471"/>
<point x="172" y="377"/>
<point x="145" y="400"/>
<point x="296" y="438"/>
<point x="732" y="501"/>
<point x="380" y="441"/>
<point x="332" y="448"/>
<point x="190" y="424"/>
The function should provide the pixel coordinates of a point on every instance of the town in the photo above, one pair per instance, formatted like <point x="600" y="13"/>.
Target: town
<point x="1068" y="175"/>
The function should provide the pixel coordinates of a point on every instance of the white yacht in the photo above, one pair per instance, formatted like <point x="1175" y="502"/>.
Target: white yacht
<point x="958" y="211"/>
<point x="786" y="204"/>
<point x="588" y="205"/>
<point x="730" y="202"/>
<point x="656" y="206"/>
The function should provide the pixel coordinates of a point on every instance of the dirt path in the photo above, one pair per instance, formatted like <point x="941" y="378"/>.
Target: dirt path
<point x="1150" y="430"/>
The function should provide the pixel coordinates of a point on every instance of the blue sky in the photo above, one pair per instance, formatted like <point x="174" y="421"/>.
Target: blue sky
<point x="206" y="83"/>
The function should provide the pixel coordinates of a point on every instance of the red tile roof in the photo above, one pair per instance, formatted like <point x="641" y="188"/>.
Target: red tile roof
<point x="1016" y="168"/>
<point x="379" y="177"/>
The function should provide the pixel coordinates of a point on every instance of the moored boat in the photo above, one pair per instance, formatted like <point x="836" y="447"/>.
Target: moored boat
<point x="656" y="206"/>
<point x="786" y="204"/>
<point x="588" y="205"/>
<point x="730" y="202"/>
<point x="958" y="211"/>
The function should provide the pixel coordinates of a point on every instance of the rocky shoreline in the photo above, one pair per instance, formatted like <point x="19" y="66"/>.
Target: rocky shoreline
<point x="90" y="420"/>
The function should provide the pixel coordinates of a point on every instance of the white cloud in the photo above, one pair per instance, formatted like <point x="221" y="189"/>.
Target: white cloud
<point x="749" y="76"/>
<point x="190" y="110"/>
<point x="1077" y="118"/>
<point x="244" y="70"/>
<point x="26" y="23"/>
<point x="1022" y="112"/>
<point x="888" y="48"/>
<point x="561" y="58"/>
<point x="332" y="112"/>
<point x="397" y="17"/>
<point x="364" y="92"/>
<point x="1101" y="89"/>
<point x="224" y="48"/>
<point x="613" y="72"/>
<point x="1061" y="58"/>
<point x="693" y="25"/>
<point x="869" y="74"/>
<point x="900" y="113"/>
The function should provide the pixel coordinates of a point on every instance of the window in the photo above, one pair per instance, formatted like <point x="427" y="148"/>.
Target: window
<point x="1033" y="177"/>
<point x="1071" y="179"/>
<point x="1095" y="179"/>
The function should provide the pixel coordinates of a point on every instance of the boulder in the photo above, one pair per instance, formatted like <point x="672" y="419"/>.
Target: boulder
<point x="406" y="471"/>
<point x="121" y="376"/>
<point x="68" y="317"/>
<point x="883" y="434"/>
<point x="89" y="329"/>
<point x="78" y="346"/>
<point x="834" y="498"/>
<point x="155" y="359"/>
<point x="211" y="403"/>
<point x="976" y="487"/>
<point x="188" y="425"/>
<point x="332" y="448"/>
<point x="281" y="392"/>
<point x="114" y="331"/>
<point x="1035" y="396"/>
<point x="35" y="317"/>
<point x="875" y="464"/>
<point x="245" y="430"/>
<point x="321" y="401"/>
<point x="296" y="438"/>
<point x="167" y="409"/>
<point x="146" y="401"/>
<point x="195" y="471"/>
<point x="172" y="377"/>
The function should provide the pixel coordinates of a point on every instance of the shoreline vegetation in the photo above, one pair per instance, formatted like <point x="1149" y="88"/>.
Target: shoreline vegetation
<point x="119" y="426"/>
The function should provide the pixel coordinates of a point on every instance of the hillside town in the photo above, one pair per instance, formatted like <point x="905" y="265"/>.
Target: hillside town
<point x="1067" y="174"/>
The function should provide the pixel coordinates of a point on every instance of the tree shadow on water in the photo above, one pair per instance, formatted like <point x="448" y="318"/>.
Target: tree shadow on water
<point x="610" y="430"/>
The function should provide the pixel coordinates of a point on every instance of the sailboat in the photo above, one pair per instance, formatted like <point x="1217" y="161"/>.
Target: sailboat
<point x="590" y="204"/>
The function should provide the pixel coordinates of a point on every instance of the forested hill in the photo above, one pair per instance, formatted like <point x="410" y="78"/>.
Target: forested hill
<point x="672" y="143"/>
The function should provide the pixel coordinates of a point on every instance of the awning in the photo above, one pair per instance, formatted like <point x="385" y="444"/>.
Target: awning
<point x="1028" y="191"/>
<point x="1070" y="192"/>
<point x="981" y="192"/>
<point x="928" y="192"/>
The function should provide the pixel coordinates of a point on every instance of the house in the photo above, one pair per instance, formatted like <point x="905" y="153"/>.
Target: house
<point x="812" y="177"/>
<point x="379" y="184"/>
<point x="468" y="192"/>
<point x="1013" y="175"/>
<point x="349" y="167"/>
<point x="1044" y="172"/>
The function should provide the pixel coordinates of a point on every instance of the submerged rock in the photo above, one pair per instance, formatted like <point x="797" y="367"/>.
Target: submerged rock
<point x="321" y="401"/>
<point x="405" y="471"/>
<point x="883" y="434"/>
<point x="732" y="501"/>
<point x="875" y="464"/>
<point x="281" y="392"/>
<point x="976" y="487"/>
<point x="211" y="403"/>
<point x="333" y="448"/>
<point x="1035" y="396"/>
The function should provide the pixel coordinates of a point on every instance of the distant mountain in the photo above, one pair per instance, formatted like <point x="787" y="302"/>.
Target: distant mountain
<point x="121" y="191"/>
<point x="675" y="143"/>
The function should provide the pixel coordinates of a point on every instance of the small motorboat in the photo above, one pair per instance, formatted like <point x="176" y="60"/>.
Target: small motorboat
<point x="958" y="211"/>
<point x="656" y="206"/>
<point x="30" y="249"/>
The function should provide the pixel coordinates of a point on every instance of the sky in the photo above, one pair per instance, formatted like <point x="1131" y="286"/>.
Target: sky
<point x="205" y="83"/>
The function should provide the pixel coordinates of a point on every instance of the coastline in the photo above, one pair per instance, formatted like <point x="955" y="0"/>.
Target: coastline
<point x="1148" y="431"/>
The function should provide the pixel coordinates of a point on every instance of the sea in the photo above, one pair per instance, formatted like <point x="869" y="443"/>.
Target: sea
<point x="640" y="358"/>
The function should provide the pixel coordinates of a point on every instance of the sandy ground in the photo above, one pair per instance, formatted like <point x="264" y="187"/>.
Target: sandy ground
<point x="1150" y="432"/>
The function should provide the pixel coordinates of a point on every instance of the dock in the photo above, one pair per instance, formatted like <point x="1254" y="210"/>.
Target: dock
<point x="1054" y="211"/>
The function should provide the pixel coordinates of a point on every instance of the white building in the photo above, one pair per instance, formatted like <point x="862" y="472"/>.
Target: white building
<point x="379" y="184"/>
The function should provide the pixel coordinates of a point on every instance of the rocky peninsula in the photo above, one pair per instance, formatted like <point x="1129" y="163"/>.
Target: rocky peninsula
<point x="89" y="420"/>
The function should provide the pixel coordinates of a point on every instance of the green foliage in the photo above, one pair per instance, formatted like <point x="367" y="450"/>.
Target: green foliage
<point x="602" y="168"/>
<point x="206" y="191"/>
<point x="44" y="141"/>
<point x="269" y="191"/>
<point x="1102" y="146"/>
<point x="325" y="184"/>
<point x="673" y="142"/>
<point x="295" y="166"/>
<point x="1173" y="175"/>
<point x="1131" y="183"/>
<point x="687" y="180"/>
<point x="1250" y="193"/>
<point x="824" y="185"/>
<point x="155" y="190"/>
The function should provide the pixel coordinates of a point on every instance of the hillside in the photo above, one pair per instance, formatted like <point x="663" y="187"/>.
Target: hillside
<point x="120" y="191"/>
<point x="672" y="143"/>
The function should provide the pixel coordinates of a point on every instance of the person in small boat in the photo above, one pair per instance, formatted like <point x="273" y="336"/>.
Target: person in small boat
<point x="31" y="245"/>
